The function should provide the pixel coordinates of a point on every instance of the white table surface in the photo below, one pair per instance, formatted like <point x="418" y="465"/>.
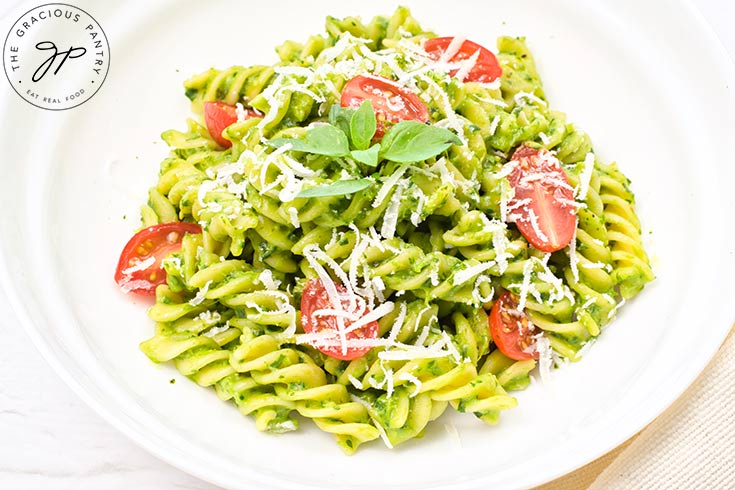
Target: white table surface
<point x="50" y="440"/>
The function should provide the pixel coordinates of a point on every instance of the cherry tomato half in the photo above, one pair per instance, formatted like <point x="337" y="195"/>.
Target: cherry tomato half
<point x="486" y="68"/>
<point x="391" y="102"/>
<point x="139" y="268"/>
<point x="511" y="330"/>
<point x="315" y="298"/>
<point x="218" y="116"/>
<point x="543" y="205"/>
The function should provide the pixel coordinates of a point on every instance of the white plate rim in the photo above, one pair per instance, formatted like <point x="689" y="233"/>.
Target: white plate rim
<point x="190" y="466"/>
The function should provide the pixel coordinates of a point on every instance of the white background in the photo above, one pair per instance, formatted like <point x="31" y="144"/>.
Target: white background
<point x="50" y="440"/>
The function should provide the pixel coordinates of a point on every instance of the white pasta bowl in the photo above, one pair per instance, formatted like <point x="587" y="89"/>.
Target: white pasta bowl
<point x="647" y="80"/>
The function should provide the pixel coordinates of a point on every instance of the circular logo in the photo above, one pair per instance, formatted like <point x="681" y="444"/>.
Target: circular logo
<point x="56" y="56"/>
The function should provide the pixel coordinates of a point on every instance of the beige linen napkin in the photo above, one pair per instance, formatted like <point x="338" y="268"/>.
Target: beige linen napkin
<point x="691" y="446"/>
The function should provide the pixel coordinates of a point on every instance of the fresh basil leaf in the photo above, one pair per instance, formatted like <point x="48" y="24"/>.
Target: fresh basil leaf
<point x="368" y="157"/>
<point x="337" y="188"/>
<point x="412" y="141"/>
<point x="296" y="144"/>
<point x="340" y="117"/>
<point x="329" y="140"/>
<point x="324" y="139"/>
<point x="362" y="126"/>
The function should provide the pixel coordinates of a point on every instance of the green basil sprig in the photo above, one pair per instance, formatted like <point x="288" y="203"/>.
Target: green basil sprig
<point x="349" y="134"/>
<point x="337" y="188"/>
<point x="363" y="126"/>
<point x="323" y="139"/>
<point x="412" y="141"/>
<point x="407" y="141"/>
<point x="369" y="157"/>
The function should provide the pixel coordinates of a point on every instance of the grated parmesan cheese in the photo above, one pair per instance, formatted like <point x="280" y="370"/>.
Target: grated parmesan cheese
<point x="525" y="285"/>
<point x="442" y="99"/>
<point x="388" y="373"/>
<point x="397" y="324"/>
<point x="545" y="359"/>
<point x="477" y="295"/>
<point x="376" y="239"/>
<point x="494" y="125"/>
<point x="434" y="277"/>
<point x="390" y="218"/>
<point x="266" y="277"/>
<point x="584" y="177"/>
<point x="240" y="111"/>
<point x="389" y="184"/>
<point x="586" y="348"/>
<point x="587" y="303"/>
<point x="615" y="309"/>
<point x="412" y="379"/>
<point x="209" y="318"/>
<point x="140" y="266"/>
<point x="608" y="298"/>
<point x="573" y="259"/>
<point x="496" y="102"/>
<point x="452" y="49"/>
<point x="421" y="339"/>
<point x="216" y="331"/>
<point x="378" y="288"/>
<point x="416" y="215"/>
<point x="378" y="426"/>
<point x="293" y="214"/>
<point x="535" y="225"/>
<point x="372" y="316"/>
<point x="130" y="285"/>
<point x="201" y="295"/>
<point x="355" y="382"/>
<point x="522" y="98"/>
<point x="467" y="66"/>
<point x="465" y="275"/>
<point x="410" y="353"/>
<point x="419" y="316"/>
<point x="594" y="265"/>
<point x="500" y="244"/>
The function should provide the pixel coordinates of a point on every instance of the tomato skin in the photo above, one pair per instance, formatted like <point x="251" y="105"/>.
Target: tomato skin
<point x="511" y="330"/>
<point x="543" y="195"/>
<point x="313" y="298"/>
<point x="155" y="242"/>
<point x="218" y="116"/>
<point x="391" y="102"/>
<point x="486" y="69"/>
